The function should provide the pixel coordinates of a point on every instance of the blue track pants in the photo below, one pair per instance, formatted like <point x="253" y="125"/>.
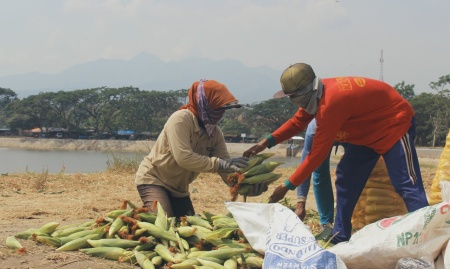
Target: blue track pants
<point x="355" y="168"/>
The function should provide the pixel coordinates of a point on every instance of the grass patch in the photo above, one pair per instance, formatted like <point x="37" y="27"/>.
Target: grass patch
<point x="41" y="181"/>
<point x="123" y="163"/>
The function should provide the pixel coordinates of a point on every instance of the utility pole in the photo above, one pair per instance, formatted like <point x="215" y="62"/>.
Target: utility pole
<point x="381" y="66"/>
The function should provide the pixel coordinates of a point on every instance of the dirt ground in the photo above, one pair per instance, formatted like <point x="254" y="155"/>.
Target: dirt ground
<point x="30" y="200"/>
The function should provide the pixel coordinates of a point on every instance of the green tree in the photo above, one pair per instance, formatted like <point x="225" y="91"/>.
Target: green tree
<point x="267" y="116"/>
<point x="441" y="118"/>
<point x="149" y="110"/>
<point x="405" y="90"/>
<point x="233" y="124"/>
<point x="424" y="108"/>
<point x="33" y="111"/>
<point x="6" y="97"/>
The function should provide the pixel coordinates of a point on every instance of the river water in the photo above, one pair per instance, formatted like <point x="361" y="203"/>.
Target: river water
<point x="70" y="161"/>
<point x="14" y="160"/>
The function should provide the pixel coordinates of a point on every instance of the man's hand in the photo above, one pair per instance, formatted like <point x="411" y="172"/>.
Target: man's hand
<point x="233" y="164"/>
<point x="300" y="210"/>
<point x="278" y="194"/>
<point x="257" y="189"/>
<point x="255" y="149"/>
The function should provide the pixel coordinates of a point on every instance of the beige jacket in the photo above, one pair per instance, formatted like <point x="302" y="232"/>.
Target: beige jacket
<point x="182" y="151"/>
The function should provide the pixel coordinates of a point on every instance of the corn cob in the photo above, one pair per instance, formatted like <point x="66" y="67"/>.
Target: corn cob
<point x="230" y="243"/>
<point x="147" y="217"/>
<point x="157" y="231"/>
<point x="48" y="228"/>
<point x="196" y="254"/>
<point x="197" y="220"/>
<point x="251" y="261"/>
<point x="186" y="264"/>
<point x="116" y="213"/>
<point x="195" y="241"/>
<point x="186" y="231"/>
<point x="218" y="216"/>
<point x="221" y="233"/>
<point x="224" y="253"/>
<point x="85" y="232"/>
<point x="256" y="159"/>
<point x="112" y="242"/>
<point x="138" y="233"/>
<point x="193" y="249"/>
<point x="180" y="257"/>
<point x="118" y="223"/>
<point x="212" y="259"/>
<point x="26" y="234"/>
<point x="110" y="253"/>
<point x="161" y="217"/>
<point x="230" y="263"/>
<point x="165" y="253"/>
<point x="145" y="246"/>
<point x="67" y="231"/>
<point x="143" y="261"/>
<point x="224" y="222"/>
<point x="261" y="169"/>
<point x="79" y="243"/>
<point x="48" y="240"/>
<point x="149" y="254"/>
<point x="130" y="205"/>
<point x="202" y="267"/>
<point x="244" y="186"/>
<point x="266" y="177"/>
<point x="13" y="243"/>
<point x="157" y="260"/>
<point x="79" y="234"/>
<point x="210" y="264"/>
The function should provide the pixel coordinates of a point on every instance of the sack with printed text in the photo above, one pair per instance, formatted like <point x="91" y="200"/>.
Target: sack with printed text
<point x="275" y="231"/>
<point x="422" y="234"/>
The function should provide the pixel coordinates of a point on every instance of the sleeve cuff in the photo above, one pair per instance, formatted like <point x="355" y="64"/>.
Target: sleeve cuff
<point x="271" y="141"/>
<point x="289" y="185"/>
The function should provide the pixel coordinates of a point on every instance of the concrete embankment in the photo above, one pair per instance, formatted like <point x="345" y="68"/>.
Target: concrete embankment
<point x="110" y="145"/>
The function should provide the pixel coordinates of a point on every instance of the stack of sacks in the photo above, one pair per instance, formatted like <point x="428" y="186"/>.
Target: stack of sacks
<point x="442" y="174"/>
<point x="378" y="199"/>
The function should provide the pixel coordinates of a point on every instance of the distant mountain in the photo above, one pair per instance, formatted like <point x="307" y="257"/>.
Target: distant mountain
<point x="148" y="72"/>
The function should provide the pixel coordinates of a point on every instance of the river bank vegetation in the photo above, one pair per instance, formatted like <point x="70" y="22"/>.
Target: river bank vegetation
<point x="100" y="113"/>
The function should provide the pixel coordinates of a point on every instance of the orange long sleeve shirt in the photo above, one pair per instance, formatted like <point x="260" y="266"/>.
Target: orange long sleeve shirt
<point x="356" y="110"/>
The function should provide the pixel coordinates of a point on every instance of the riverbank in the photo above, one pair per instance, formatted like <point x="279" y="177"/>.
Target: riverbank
<point x="109" y="145"/>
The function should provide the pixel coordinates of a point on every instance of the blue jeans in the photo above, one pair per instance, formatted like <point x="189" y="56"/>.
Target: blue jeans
<point x="323" y="190"/>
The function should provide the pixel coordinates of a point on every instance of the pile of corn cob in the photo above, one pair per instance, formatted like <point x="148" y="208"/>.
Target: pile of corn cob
<point x="151" y="240"/>
<point x="257" y="171"/>
<point x="442" y="174"/>
<point x="378" y="199"/>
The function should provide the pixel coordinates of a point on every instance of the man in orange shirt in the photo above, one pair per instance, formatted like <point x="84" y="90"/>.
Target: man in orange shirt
<point x="370" y="116"/>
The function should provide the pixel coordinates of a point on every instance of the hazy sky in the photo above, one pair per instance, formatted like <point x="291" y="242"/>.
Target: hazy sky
<point x="337" y="38"/>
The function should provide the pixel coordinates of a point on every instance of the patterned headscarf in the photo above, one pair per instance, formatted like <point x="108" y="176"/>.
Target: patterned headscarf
<point x="206" y="97"/>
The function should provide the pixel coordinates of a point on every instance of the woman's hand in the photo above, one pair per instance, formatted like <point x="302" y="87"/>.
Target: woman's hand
<point x="278" y="194"/>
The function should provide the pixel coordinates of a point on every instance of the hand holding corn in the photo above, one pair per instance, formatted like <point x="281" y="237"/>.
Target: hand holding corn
<point x="258" y="188"/>
<point x="278" y="194"/>
<point x="262" y="145"/>
<point x="233" y="164"/>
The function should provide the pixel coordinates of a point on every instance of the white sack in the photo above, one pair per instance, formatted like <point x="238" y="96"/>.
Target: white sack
<point x="421" y="234"/>
<point x="275" y="231"/>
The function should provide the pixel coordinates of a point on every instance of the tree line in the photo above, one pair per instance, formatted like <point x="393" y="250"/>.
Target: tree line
<point x="106" y="110"/>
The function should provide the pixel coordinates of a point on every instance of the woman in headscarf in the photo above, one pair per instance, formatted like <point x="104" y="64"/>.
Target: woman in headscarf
<point x="190" y="143"/>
